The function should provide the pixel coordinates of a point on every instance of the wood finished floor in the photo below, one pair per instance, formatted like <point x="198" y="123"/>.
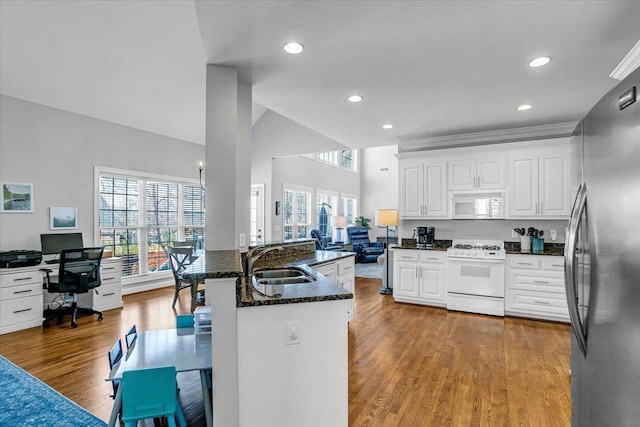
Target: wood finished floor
<point x="408" y="365"/>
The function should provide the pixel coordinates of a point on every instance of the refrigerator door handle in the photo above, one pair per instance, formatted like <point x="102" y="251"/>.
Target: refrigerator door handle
<point x="570" y="267"/>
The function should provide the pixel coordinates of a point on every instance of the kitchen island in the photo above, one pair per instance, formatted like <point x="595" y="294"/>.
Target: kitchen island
<point x="277" y="360"/>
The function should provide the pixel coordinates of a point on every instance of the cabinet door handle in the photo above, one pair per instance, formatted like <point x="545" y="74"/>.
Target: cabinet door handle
<point x="540" y="281"/>
<point x="22" y="278"/>
<point x="22" y="311"/>
<point x="106" y="295"/>
<point x="524" y="263"/>
<point x="405" y="257"/>
<point x="22" y="292"/>
<point x="108" y="268"/>
<point x="432" y="259"/>
<point x="541" y="208"/>
<point x="557" y="265"/>
<point x="541" y="302"/>
<point x="474" y="182"/>
<point x="348" y="268"/>
<point x="478" y="182"/>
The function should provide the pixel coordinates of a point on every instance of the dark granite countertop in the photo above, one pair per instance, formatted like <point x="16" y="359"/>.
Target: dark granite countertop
<point x="550" y="249"/>
<point x="225" y="264"/>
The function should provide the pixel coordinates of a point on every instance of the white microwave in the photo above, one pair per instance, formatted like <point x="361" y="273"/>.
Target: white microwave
<point x="477" y="205"/>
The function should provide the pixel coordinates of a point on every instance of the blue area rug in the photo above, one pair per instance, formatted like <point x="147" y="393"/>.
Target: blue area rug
<point x="27" y="401"/>
<point x="369" y="269"/>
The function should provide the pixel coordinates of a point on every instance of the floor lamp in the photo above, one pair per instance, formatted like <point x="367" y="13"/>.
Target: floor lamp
<point x="386" y="218"/>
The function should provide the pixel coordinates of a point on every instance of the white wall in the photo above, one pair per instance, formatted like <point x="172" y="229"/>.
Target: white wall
<point x="56" y="151"/>
<point x="379" y="185"/>
<point x="275" y="136"/>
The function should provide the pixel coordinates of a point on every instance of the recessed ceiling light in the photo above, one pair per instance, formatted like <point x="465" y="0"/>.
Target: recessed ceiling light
<point x="387" y="126"/>
<point x="539" y="62"/>
<point x="523" y="107"/>
<point x="293" y="48"/>
<point x="355" y="98"/>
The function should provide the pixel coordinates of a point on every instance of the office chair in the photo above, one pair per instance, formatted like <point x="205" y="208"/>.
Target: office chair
<point x="78" y="273"/>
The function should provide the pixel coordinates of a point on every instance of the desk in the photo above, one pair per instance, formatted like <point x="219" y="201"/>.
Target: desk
<point x="166" y="347"/>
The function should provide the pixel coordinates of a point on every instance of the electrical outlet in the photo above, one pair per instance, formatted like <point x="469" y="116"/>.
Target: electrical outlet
<point x="243" y="239"/>
<point x="553" y="234"/>
<point x="293" y="333"/>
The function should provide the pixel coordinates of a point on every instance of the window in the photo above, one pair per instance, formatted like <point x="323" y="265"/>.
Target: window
<point x="138" y="216"/>
<point x="348" y="160"/>
<point x="296" y="213"/>
<point x="349" y="208"/>
<point x="324" y="211"/>
<point x="345" y="159"/>
<point x="328" y="157"/>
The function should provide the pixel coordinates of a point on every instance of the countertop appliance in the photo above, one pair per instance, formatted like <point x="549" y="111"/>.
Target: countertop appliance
<point x="477" y="205"/>
<point x="425" y="237"/>
<point x="602" y="265"/>
<point x="476" y="276"/>
<point x="20" y="258"/>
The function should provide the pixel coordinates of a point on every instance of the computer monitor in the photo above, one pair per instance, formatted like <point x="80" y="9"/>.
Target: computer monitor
<point x="55" y="243"/>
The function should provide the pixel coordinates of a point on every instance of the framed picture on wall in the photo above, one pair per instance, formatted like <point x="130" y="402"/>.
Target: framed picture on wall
<point x="63" y="218"/>
<point x="16" y="198"/>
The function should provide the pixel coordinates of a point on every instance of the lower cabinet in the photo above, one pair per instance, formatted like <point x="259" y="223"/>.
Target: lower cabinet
<point x="20" y="299"/>
<point x="109" y="293"/>
<point x="343" y="272"/>
<point x="418" y="276"/>
<point x="535" y="287"/>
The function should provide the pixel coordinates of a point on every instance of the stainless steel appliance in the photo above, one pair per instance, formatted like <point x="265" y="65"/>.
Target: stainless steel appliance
<point x="425" y="237"/>
<point x="476" y="276"/>
<point x="602" y="264"/>
<point x="477" y="205"/>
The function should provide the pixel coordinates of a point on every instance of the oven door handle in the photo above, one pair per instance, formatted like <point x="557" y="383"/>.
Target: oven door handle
<point x="483" y="261"/>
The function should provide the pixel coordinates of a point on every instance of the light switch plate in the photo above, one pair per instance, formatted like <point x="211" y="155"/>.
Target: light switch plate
<point x="243" y="239"/>
<point x="293" y="333"/>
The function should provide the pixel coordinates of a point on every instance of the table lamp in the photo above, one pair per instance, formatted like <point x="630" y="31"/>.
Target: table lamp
<point x="339" y="223"/>
<point x="386" y="218"/>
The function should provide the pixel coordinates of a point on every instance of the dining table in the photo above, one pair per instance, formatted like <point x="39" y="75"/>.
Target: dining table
<point x="181" y="348"/>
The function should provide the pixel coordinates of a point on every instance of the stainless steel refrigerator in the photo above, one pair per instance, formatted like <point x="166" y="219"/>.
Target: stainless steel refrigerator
<point x="602" y="263"/>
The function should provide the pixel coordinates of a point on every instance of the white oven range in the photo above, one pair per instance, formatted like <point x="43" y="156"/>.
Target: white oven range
<point x="476" y="276"/>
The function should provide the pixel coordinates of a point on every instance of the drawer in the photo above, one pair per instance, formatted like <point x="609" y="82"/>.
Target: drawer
<point x="20" y="310"/>
<point x="346" y="267"/>
<point x="106" y="297"/>
<point x="554" y="263"/>
<point x="109" y="278"/>
<point x="33" y="276"/>
<point x="536" y="282"/>
<point x="404" y="255"/>
<point x="431" y="256"/>
<point x="520" y="261"/>
<point x="20" y="291"/>
<point x="538" y="302"/>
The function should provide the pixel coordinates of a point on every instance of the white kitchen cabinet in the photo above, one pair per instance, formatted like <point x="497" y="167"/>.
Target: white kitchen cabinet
<point x="423" y="189"/>
<point x="478" y="173"/>
<point x="418" y="276"/>
<point x="539" y="184"/>
<point x="535" y="287"/>
<point x="343" y="272"/>
<point x="109" y="293"/>
<point x="20" y="298"/>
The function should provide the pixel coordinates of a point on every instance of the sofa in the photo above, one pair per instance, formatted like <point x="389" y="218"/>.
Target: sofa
<point x="366" y="250"/>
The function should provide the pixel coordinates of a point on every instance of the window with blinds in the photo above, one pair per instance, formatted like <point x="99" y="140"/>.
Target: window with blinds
<point x="349" y="208"/>
<point x="324" y="212"/>
<point x="296" y="213"/>
<point x="138" y="217"/>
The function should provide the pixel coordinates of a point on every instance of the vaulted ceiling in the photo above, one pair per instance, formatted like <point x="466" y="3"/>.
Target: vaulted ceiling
<point x="430" y="68"/>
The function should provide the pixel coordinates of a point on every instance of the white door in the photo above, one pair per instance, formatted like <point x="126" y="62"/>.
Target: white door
<point x="524" y="186"/>
<point x="491" y="174"/>
<point x="554" y="177"/>
<point x="462" y="175"/>
<point x="411" y="195"/>
<point x="256" y="216"/>
<point x="435" y="190"/>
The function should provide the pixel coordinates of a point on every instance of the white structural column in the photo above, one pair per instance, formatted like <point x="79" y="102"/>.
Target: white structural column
<point x="243" y="165"/>
<point x="220" y="154"/>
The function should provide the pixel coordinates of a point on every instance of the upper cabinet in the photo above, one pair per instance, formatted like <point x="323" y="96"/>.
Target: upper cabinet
<point x="423" y="189"/>
<point x="478" y="173"/>
<point x="539" y="184"/>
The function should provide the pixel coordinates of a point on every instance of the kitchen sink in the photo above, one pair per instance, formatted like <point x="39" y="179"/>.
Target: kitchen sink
<point x="271" y="282"/>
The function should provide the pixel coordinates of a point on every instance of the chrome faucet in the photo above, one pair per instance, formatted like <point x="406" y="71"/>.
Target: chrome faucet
<point x="251" y="258"/>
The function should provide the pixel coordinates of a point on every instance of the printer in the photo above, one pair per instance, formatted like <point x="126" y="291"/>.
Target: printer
<point x="20" y="258"/>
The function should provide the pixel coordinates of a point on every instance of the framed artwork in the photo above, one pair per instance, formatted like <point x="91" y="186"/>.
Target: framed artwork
<point x="63" y="218"/>
<point x="16" y="198"/>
